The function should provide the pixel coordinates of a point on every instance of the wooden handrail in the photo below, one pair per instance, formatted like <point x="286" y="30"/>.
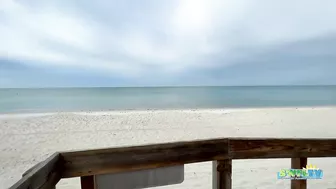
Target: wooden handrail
<point x="113" y="160"/>
<point x="254" y="148"/>
<point x="44" y="175"/>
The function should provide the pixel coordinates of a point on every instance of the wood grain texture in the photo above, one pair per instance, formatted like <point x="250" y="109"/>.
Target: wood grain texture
<point x="242" y="148"/>
<point x="115" y="160"/>
<point x="45" y="175"/>
<point x="298" y="163"/>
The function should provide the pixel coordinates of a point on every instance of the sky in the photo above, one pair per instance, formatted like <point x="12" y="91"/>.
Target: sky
<point x="86" y="43"/>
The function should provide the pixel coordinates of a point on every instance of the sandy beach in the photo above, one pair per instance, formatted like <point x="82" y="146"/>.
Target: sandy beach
<point x="26" y="139"/>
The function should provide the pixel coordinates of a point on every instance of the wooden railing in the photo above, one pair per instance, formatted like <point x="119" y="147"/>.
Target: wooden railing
<point x="85" y="164"/>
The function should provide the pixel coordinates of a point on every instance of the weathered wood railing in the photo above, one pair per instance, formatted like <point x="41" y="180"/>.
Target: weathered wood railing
<point x="84" y="164"/>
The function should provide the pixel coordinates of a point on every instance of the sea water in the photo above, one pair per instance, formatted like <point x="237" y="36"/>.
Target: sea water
<point x="96" y="99"/>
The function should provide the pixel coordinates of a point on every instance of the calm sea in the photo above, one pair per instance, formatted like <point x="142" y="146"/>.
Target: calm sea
<point x="85" y="99"/>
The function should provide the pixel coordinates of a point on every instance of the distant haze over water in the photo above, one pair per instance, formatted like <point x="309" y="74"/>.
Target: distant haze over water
<point x="96" y="99"/>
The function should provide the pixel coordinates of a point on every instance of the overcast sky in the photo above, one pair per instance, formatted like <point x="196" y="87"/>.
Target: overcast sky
<point x="55" y="43"/>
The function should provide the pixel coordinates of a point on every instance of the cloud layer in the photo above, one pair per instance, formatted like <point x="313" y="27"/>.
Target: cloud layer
<point x="168" y="40"/>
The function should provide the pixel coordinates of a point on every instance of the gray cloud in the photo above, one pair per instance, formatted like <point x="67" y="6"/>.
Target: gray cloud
<point x="213" y="41"/>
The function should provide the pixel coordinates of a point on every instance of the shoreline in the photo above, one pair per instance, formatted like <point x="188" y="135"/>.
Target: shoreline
<point x="102" y="112"/>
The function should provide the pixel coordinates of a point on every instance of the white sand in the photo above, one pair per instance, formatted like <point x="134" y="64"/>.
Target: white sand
<point x="27" y="139"/>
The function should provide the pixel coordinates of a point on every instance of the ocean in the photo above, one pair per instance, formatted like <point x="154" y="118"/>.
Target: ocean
<point x="101" y="99"/>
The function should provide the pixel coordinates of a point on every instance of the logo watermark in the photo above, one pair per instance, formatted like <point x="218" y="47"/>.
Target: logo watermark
<point x="308" y="172"/>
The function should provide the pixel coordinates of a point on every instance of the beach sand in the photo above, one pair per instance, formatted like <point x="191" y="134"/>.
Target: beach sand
<point x="26" y="139"/>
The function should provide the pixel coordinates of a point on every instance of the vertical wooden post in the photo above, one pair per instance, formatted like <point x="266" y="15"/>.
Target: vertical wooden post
<point x="87" y="182"/>
<point x="298" y="163"/>
<point x="222" y="173"/>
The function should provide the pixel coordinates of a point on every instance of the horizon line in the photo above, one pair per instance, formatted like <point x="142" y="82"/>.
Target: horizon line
<point x="167" y="86"/>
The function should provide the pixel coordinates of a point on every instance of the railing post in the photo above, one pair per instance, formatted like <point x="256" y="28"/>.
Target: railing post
<point x="222" y="173"/>
<point x="87" y="182"/>
<point x="298" y="163"/>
